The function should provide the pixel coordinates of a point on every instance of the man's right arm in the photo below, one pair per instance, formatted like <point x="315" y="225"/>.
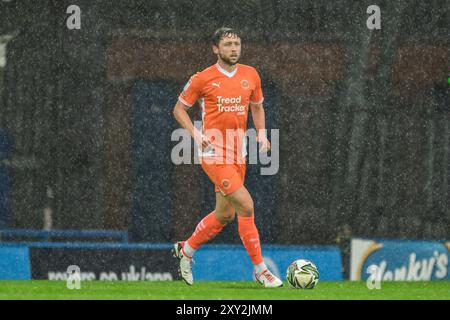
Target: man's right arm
<point x="181" y="115"/>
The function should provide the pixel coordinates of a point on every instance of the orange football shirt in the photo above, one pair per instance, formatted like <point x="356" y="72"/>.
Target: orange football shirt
<point x="224" y="98"/>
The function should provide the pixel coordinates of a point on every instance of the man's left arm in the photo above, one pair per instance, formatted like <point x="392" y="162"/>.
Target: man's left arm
<point x="259" y="120"/>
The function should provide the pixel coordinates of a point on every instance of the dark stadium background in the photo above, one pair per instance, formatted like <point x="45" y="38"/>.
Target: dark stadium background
<point x="86" y="117"/>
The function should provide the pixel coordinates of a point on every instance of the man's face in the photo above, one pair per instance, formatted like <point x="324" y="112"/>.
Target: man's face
<point x="229" y="49"/>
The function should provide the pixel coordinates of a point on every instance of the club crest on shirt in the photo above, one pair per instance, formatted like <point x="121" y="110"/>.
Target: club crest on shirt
<point x="245" y="84"/>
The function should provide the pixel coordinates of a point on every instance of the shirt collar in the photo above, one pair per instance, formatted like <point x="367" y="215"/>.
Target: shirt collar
<point x="225" y="72"/>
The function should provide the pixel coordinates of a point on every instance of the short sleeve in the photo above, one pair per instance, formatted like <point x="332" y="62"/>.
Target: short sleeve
<point x="192" y="91"/>
<point x="257" y="94"/>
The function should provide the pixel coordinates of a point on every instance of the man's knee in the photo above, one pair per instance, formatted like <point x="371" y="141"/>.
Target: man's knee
<point x="243" y="202"/>
<point x="226" y="216"/>
<point x="247" y="209"/>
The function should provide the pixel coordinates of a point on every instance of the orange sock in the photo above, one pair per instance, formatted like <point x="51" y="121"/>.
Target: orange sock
<point x="250" y="238"/>
<point x="207" y="229"/>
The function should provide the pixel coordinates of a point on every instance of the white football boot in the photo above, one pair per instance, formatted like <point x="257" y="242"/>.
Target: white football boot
<point x="268" y="279"/>
<point x="185" y="267"/>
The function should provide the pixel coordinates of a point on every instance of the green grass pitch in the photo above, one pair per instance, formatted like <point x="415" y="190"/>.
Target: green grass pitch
<point x="204" y="290"/>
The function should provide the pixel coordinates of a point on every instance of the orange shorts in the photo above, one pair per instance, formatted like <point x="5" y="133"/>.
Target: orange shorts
<point x="227" y="178"/>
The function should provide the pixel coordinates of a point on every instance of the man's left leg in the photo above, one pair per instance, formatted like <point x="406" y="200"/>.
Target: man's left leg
<point x="243" y="203"/>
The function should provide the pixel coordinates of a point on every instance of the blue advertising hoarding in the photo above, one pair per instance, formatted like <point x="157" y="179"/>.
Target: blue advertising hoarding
<point x="212" y="262"/>
<point x="14" y="262"/>
<point x="224" y="262"/>
<point x="400" y="260"/>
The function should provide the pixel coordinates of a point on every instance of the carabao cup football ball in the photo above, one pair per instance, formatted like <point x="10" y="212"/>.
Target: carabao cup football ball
<point x="302" y="274"/>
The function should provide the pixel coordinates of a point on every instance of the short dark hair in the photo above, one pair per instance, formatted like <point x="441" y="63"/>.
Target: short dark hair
<point x="224" y="32"/>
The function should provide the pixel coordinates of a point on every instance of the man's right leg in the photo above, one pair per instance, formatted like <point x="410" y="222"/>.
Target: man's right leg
<point x="211" y="225"/>
<point x="207" y="229"/>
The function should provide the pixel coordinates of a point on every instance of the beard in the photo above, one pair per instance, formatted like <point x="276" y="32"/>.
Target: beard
<point x="228" y="60"/>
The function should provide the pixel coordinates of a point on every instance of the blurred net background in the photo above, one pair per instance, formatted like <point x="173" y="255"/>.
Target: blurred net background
<point x="86" y="117"/>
